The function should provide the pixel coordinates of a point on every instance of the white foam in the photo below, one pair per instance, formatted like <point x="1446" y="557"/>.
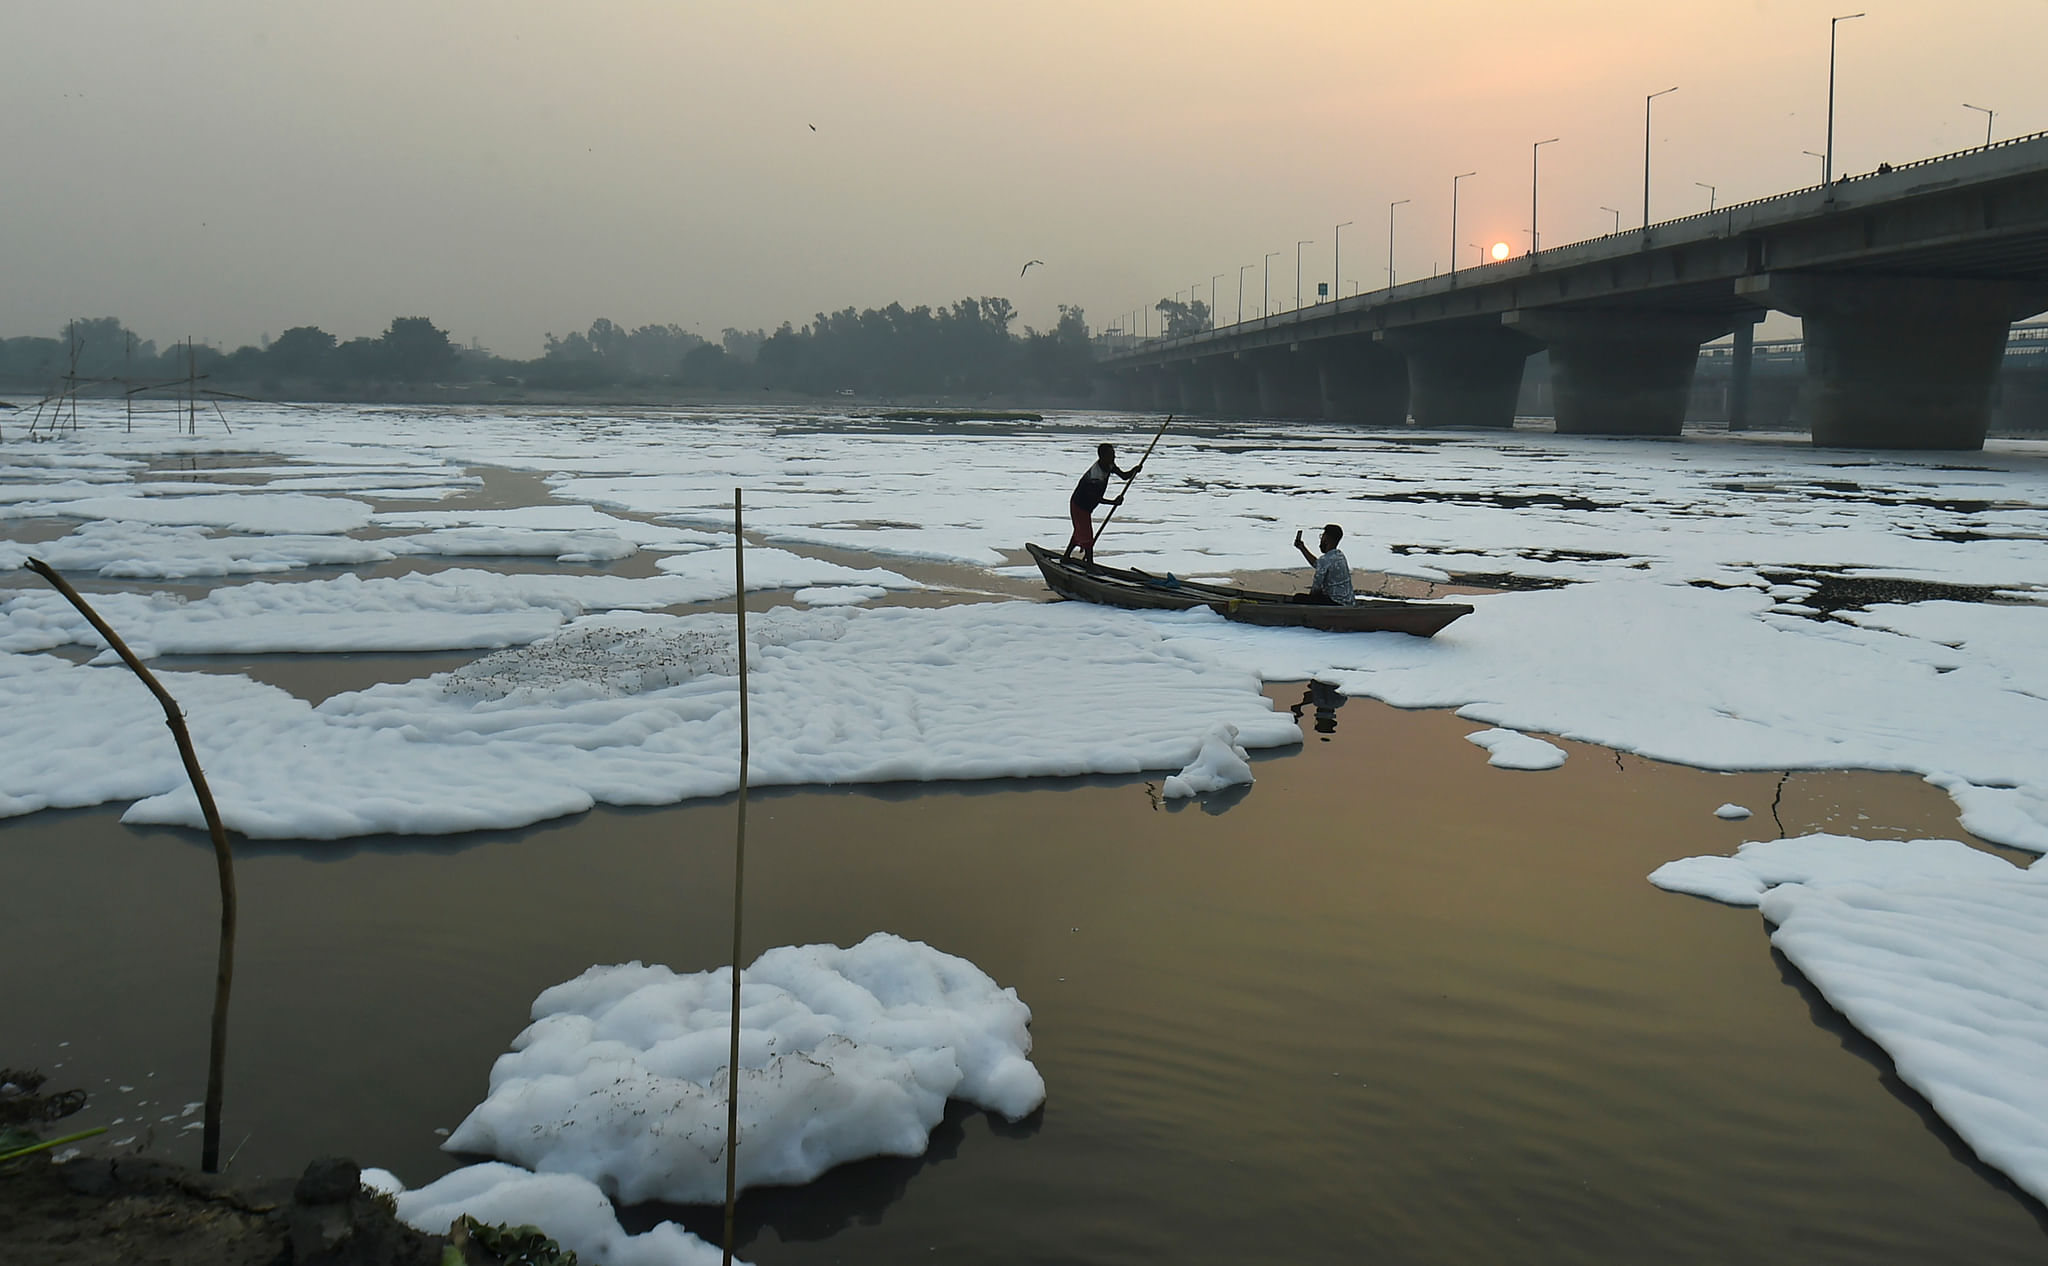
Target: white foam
<point x="1731" y="812"/>
<point x="1931" y="949"/>
<point x="1636" y="654"/>
<point x="637" y="710"/>
<point x="1511" y="749"/>
<point x="1220" y="763"/>
<point x="844" y="1054"/>
<point x="570" y="1210"/>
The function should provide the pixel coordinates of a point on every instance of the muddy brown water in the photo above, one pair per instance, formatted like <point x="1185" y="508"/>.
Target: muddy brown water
<point x="1392" y="1004"/>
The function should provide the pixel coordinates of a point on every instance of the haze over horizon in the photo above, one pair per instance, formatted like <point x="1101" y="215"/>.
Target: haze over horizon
<point x="225" y="169"/>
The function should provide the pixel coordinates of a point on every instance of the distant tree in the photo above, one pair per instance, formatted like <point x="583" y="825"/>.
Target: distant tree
<point x="1060" y="359"/>
<point x="741" y="345"/>
<point x="32" y="362"/>
<point x="999" y="313"/>
<point x="1177" y="318"/>
<point x="412" y="349"/>
<point x="304" y="351"/>
<point x="360" y="360"/>
<point x="106" y="348"/>
<point x="707" y="365"/>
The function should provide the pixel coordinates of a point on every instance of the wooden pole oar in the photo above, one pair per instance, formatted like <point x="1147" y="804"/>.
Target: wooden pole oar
<point x="1133" y="475"/>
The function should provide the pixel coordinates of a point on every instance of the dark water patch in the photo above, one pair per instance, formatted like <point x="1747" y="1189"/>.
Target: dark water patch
<point x="1499" y="500"/>
<point x="958" y="415"/>
<point x="1571" y="555"/>
<point x="1506" y="581"/>
<point x="1831" y="591"/>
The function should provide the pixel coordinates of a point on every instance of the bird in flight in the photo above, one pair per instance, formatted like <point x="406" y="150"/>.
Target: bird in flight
<point x="1027" y="267"/>
<point x="812" y="126"/>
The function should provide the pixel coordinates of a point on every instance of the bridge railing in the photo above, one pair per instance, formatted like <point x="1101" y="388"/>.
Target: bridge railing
<point x="1883" y="169"/>
<point x="1136" y="344"/>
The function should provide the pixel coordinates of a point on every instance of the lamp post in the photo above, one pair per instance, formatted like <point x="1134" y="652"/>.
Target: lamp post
<point x="1710" y="192"/>
<point x="1535" y="242"/>
<point x="1827" y="162"/>
<point x="1215" y="304"/>
<point x="1478" y="254"/>
<point x="1266" y="307"/>
<point x="1240" y="291"/>
<point x="1646" y="150"/>
<point x="1814" y="153"/>
<point x="1454" y="217"/>
<point x="1989" y="114"/>
<point x="1297" y="270"/>
<point x="1390" y="239"/>
<point x="1617" y="217"/>
<point x="1337" y="260"/>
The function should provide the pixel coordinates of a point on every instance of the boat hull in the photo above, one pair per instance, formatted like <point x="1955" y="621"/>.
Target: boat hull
<point x="1137" y="590"/>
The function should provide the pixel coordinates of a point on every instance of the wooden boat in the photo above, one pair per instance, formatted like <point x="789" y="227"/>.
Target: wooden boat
<point x="1118" y="587"/>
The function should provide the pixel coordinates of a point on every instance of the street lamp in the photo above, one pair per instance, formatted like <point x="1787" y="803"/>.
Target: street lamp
<point x="1827" y="162"/>
<point x="1646" y="150"/>
<point x="1390" y="238"/>
<point x="1240" y="291"/>
<point x="1814" y="153"/>
<point x="1454" y="217"/>
<point x="1266" y="308"/>
<point x="1710" y="192"/>
<point x="1617" y="217"/>
<point x="1535" y="243"/>
<point x="1478" y="253"/>
<point x="1337" y="260"/>
<point x="1989" y="115"/>
<point x="1215" y="308"/>
<point x="1297" y="270"/>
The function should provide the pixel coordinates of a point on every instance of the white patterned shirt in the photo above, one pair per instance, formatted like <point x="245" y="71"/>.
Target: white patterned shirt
<point x="1333" y="578"/>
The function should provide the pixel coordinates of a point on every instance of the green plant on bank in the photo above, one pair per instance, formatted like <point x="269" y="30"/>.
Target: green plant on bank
<point x="15" y="1144"/>
<point x="502" y="1245"/>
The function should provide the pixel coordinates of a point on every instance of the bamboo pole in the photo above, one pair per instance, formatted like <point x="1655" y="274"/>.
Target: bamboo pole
<point x="223" y="858"/>
<point x="1134" y="474"/>
<point x="739" y="873"/>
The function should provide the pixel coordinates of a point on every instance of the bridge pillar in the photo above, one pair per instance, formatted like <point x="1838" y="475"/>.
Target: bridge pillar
<point x="1156" y="391"/>
<point x="1464" y="375"/>
<point x="1287" y="385"/>
<point x="1362" y="382"/>
<point x="1622" y="372"/>
<point x="1235" y="385"/>
<point x="1738" y="377"/>
<point x="1191" y="388"/>
<point x="1899" y="362"/>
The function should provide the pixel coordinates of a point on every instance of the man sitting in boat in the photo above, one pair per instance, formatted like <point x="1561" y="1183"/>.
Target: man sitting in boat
<point x="1088" y="494"/>
<point x="1332" y="583"/>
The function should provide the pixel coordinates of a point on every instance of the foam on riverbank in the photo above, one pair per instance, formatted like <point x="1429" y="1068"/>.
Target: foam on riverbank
<point x="1931" y="949"/>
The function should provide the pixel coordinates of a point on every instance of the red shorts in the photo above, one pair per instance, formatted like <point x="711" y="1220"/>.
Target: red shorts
<point x="1084" y="529"/>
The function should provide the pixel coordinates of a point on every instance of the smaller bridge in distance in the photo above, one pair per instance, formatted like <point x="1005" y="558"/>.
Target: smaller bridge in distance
<point x="1907" y="281"/>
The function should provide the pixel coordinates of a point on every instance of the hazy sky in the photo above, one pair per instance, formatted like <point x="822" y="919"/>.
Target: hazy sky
<point x="227" y="168"/>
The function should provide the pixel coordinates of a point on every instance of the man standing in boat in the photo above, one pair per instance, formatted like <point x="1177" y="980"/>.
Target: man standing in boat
<point x="1093" y="491"/>
<point x="1332" y="583"/>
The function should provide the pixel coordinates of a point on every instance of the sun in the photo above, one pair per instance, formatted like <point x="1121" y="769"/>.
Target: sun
<point x="1500" y="250"/>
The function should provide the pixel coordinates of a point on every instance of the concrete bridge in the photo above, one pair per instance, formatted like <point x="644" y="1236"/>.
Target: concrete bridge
<point x="1906" y="280"/>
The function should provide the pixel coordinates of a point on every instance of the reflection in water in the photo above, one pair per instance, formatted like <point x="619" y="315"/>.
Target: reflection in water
<point x="858" y="1194"/>
<point x="1325" y="699"/>
<point x="1826" y="1018"/>
<point x="1457" y="1027"/>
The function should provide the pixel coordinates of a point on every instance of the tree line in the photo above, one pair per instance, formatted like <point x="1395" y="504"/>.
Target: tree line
<point x="966" y="347"/>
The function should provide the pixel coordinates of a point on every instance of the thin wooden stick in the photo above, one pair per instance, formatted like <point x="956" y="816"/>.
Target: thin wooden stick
<point x="1134" y="474"/>
<point x="223" y="858"/>
<point x="739" y="873"/>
